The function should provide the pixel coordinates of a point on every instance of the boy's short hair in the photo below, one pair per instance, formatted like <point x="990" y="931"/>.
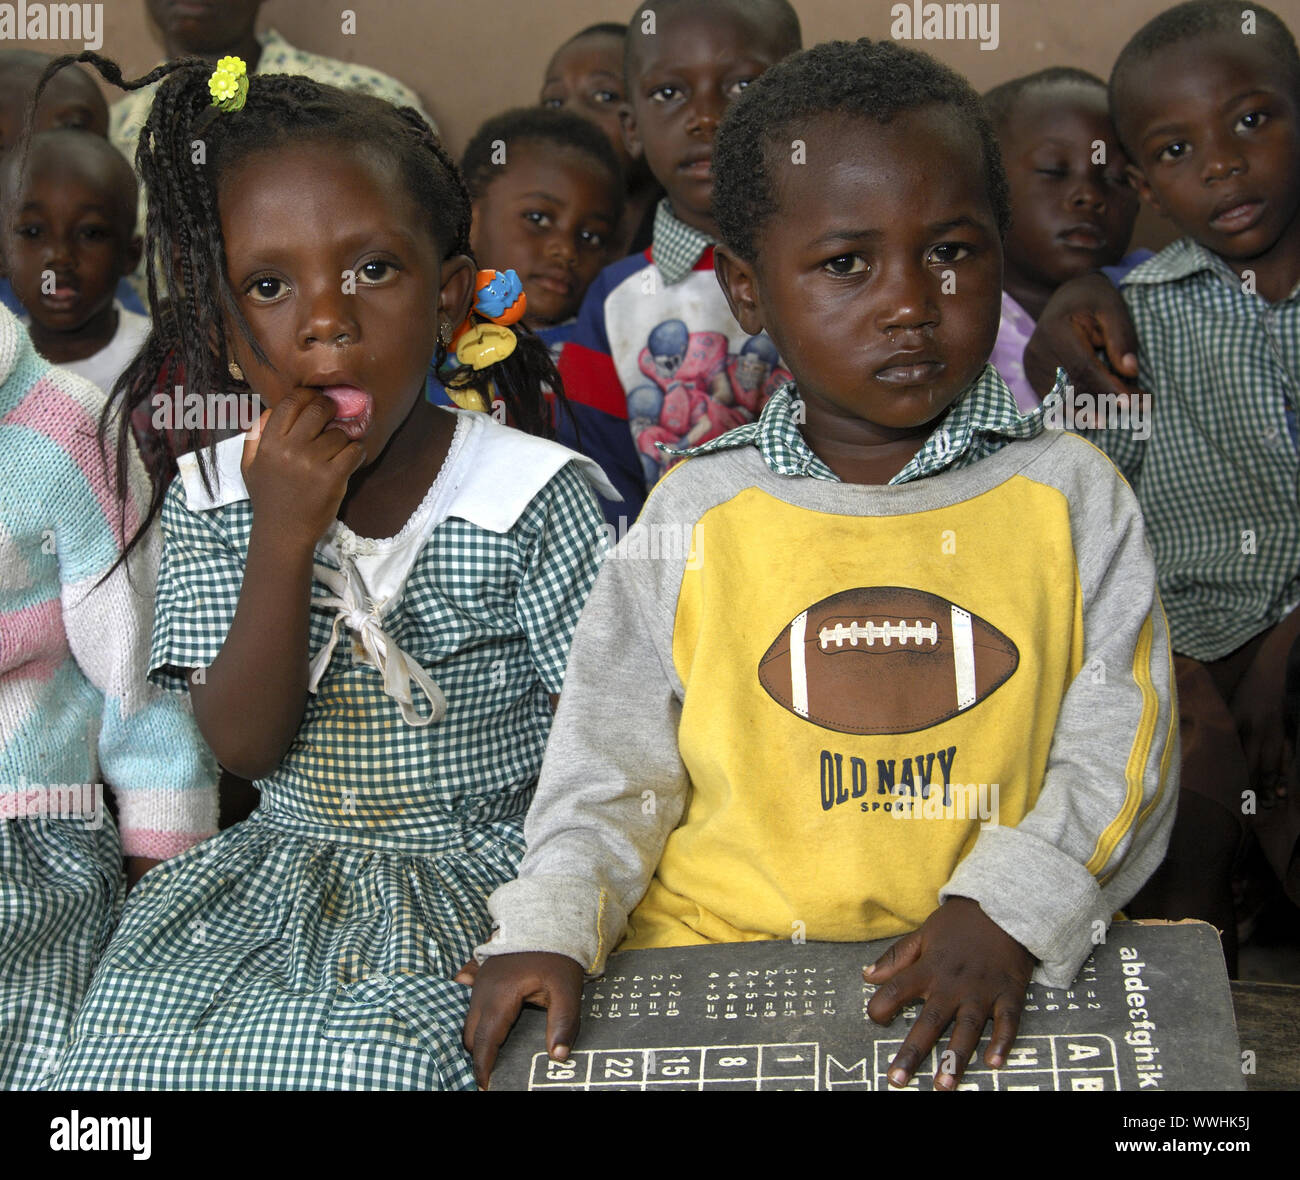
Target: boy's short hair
<point x="870" y="79"/>
<point x="524" y="125"/>
<point x="1196" y="18"/>
<point x="780" y="13"/>
<point x="1001" y="100"/>
<point x="66" y="142"/>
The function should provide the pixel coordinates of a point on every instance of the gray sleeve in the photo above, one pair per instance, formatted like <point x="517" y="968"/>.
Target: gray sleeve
<point x="1102" y="820"/>
<point x="612" y="784"/>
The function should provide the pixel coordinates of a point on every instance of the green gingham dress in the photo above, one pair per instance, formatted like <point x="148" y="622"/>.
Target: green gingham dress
<point x="313" y="945"/>
<point x="61" y="885"/>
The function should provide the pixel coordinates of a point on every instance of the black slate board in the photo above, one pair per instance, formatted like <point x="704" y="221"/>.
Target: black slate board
<point x="785" y="1016"/>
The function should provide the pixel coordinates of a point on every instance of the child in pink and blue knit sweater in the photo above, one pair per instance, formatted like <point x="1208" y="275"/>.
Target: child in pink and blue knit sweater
<point x="75" y="707"/>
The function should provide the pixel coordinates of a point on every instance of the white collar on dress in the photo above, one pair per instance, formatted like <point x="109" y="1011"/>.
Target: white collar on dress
<point x="498" y="473"/>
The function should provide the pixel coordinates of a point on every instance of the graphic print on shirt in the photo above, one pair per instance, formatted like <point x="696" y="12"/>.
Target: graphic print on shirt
<point x="885" y="660"/>
<point x="692" y="390"/>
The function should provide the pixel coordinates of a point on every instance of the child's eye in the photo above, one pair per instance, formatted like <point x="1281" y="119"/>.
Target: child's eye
<point x="553" y="103"/>
<point x="846" y="264"/>
<point x="376" y="271"/>
<point x="95" y="233"/>
<point x="1057" y="172"/>
<point x="663" y="93"/>
<point x="1173" y="151"/>
<point x="589" y="237"/>
<point x="537" y="218"/>
<point x="1251" y="121"/>
<point x="266" y="290"/>
<point x="949" y="252"/>
<point x="606" y="96"/>
<point x="28" y="231"/>
<point x="736" y="87"/>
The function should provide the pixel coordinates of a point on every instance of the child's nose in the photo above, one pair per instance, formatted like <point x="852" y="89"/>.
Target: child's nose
<point x="706" y="111"/>
<point x="560" y="248"/>
<point x="905" y="301"/>
<point x="1223" y="157"/>
<point x="1088" y="193"/>
<point x="329" y="319"/>
<point x="58" y="251"/>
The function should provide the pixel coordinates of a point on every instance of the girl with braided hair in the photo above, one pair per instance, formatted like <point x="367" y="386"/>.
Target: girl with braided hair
<point x="369" y="599"/>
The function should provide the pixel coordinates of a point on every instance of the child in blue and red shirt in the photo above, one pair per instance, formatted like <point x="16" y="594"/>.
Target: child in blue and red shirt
<point x="655" y="343"/>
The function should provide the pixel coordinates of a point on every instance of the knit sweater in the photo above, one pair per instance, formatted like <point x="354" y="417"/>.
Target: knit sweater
<point x="75" y="707"/>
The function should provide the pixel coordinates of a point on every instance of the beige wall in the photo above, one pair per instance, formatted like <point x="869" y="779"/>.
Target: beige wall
<point x="470" y="59"/>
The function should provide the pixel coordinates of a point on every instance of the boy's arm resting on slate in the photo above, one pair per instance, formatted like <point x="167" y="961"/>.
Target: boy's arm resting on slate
<point x="1101" y="823"/>
<point x="612" y="785"/>
<point x="612" y="788"/>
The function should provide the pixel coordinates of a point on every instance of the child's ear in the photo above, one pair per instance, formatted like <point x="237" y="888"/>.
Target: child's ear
<point x="458" y="274"/>
<point x="627" y="124"/>
<point x="739" y="284"/>
<point x="1137" y="178"/>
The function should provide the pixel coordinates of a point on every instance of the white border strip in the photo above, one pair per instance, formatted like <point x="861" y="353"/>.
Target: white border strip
<point x="798" y="666"/>
<point x="963" y="657"/>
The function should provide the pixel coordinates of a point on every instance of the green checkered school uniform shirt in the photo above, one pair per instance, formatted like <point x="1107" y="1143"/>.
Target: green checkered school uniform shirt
<point x="983" y="420"/>
<point x="313" y="945"/>
<point x="1219" y="478"/>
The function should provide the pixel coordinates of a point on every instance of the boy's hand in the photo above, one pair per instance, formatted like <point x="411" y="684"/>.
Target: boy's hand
<point x="301" y="477"/>
<point x="1084" y="315"/>
<point x="966" y="968"/>
<point x="503" y="985"/>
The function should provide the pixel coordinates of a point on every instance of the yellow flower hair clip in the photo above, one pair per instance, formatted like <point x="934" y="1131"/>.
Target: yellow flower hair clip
<point x="229" y="84"/>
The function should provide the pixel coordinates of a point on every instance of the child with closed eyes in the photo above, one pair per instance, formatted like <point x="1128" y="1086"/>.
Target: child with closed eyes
<point x="895" y="594"/>
<point x="369" y="600"/>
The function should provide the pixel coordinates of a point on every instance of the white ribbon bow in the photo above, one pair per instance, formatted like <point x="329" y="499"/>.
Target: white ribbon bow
<point x="356" y="610"/>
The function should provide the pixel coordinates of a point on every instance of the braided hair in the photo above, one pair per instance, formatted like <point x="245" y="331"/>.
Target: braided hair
<point x="184" y="147"/>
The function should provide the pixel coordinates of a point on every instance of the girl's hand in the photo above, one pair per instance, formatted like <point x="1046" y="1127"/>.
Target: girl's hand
<point x="302" y="475"/>
<point x="966" y="968"/>
<point x="503" y="985"/>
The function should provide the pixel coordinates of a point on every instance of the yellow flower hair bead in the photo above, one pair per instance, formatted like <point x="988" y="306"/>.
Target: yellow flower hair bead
<point x="229" y="84"/>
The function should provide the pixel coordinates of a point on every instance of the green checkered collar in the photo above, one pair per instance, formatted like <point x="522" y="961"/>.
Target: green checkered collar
<point x="979" y="422"/>
<point x="1182" y="259"/>
<point x="677" y="246"/>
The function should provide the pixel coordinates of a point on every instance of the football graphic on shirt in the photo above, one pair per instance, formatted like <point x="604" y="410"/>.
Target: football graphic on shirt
<point x="885" y="659"/>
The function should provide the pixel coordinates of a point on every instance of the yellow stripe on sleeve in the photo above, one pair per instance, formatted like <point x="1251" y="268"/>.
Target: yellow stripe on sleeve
<point x="1138" y="756"/>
